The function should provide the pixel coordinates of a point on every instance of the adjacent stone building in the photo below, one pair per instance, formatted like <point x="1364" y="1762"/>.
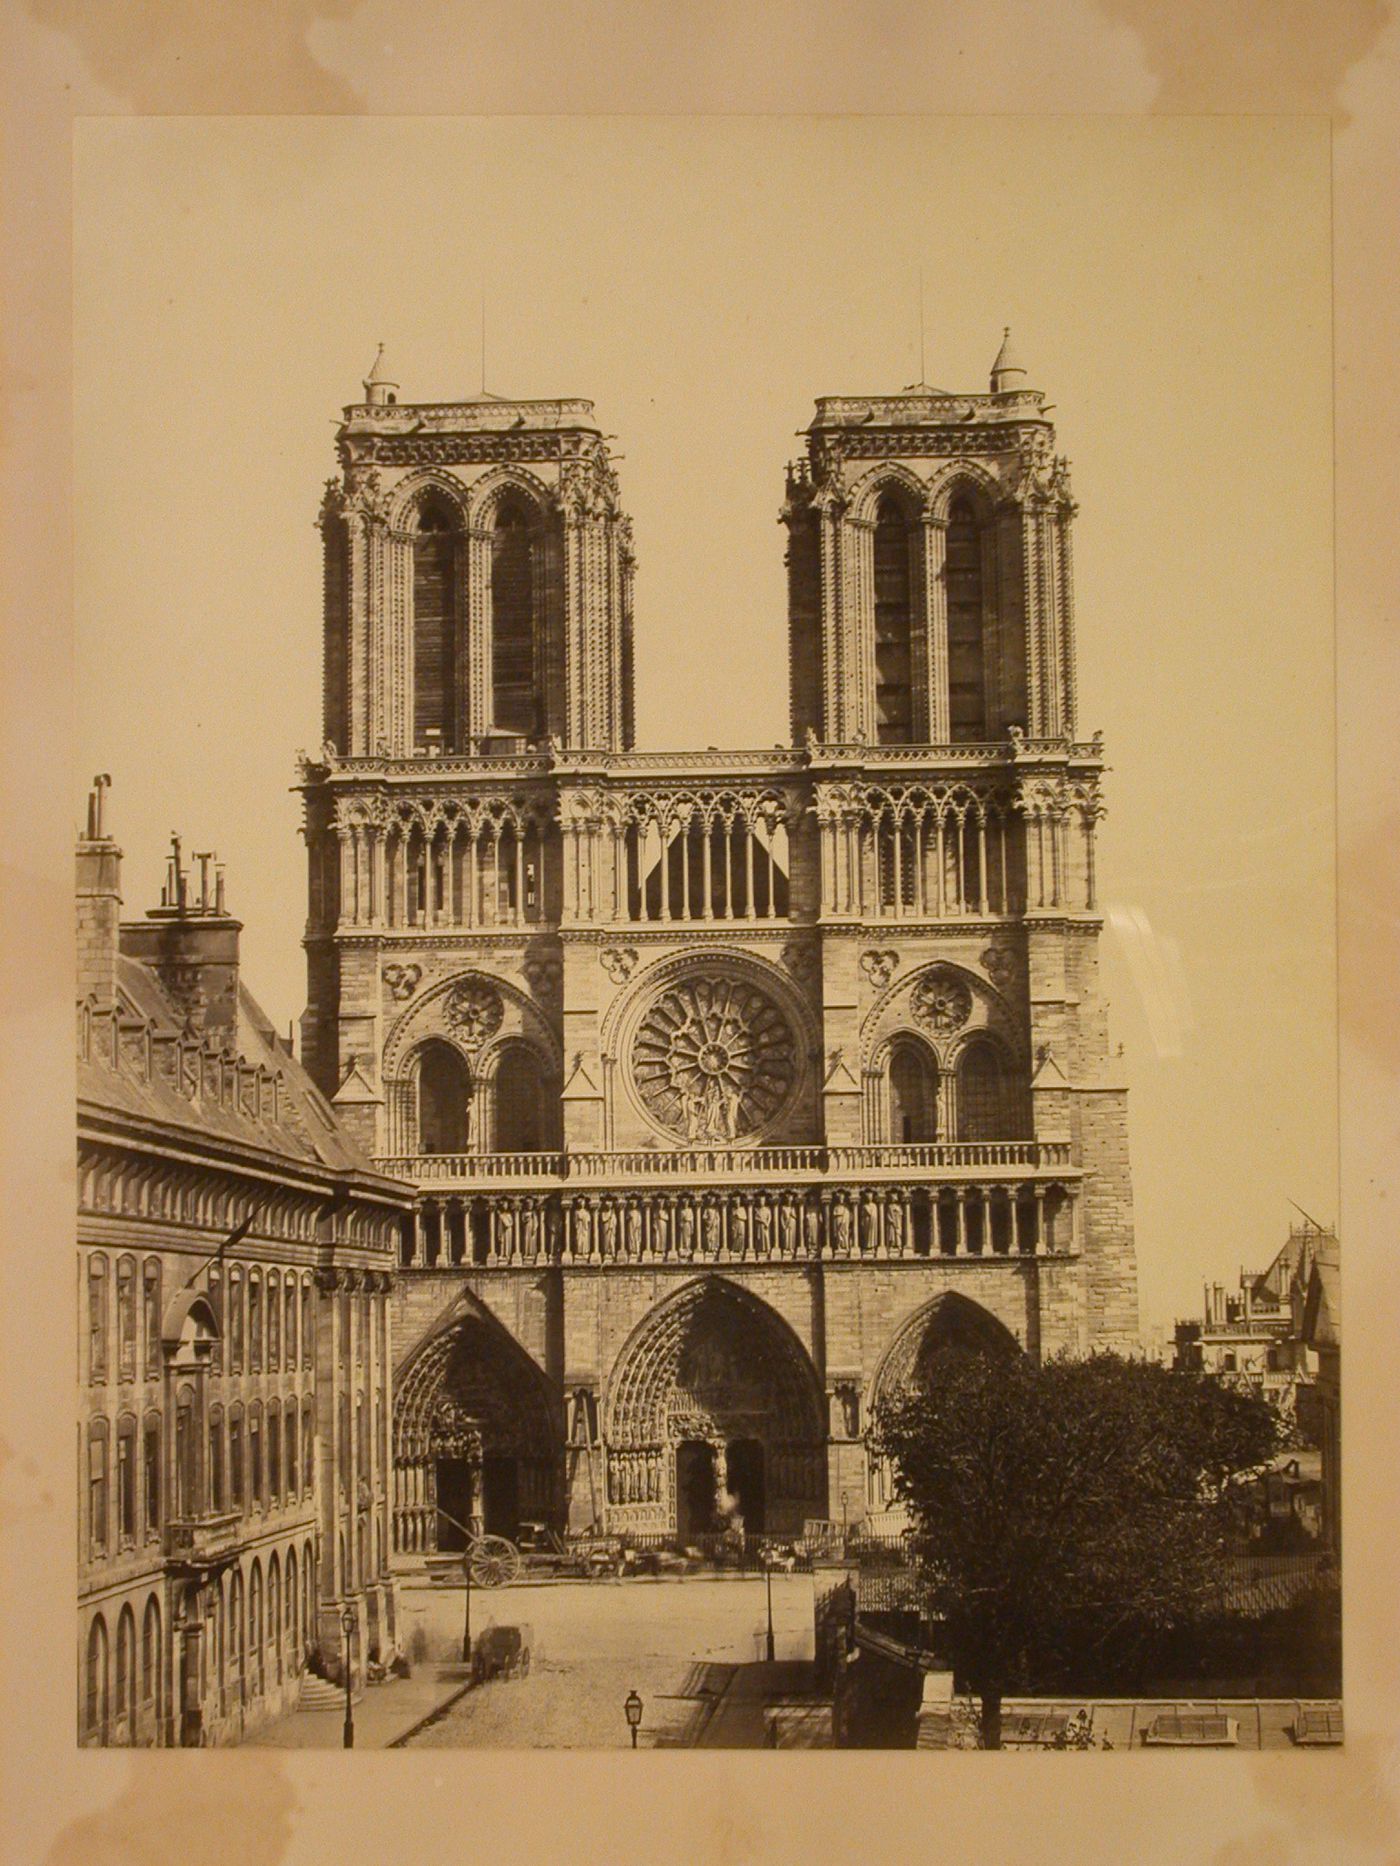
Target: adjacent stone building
<point x="729" y="1081"/>
<point x="235" y="1254"/>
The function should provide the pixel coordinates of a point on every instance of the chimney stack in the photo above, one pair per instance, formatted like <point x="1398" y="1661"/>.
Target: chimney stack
<point x="191" y="944"/>
<point x="99" y="877"/>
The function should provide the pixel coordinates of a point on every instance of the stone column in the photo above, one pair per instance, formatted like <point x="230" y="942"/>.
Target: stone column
<point x="935" y="596"/>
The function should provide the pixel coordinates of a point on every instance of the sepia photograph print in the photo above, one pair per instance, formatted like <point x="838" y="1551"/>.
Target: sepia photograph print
<point x="705" y="1012"/>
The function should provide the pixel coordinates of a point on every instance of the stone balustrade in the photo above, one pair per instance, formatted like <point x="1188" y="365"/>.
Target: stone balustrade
<point x="946" y="1159"/>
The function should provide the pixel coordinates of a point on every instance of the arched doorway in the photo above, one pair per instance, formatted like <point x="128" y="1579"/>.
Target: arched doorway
<point x="444" y="1099"/>
<point x="714" y="1412"/>
<point x="477" y="1439"/>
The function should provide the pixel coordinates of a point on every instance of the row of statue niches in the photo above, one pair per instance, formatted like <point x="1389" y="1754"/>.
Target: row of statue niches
<point x="894" y="1222"/>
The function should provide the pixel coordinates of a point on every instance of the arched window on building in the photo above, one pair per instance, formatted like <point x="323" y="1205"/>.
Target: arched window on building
<point x="515" y="685"/>
<point x="521" y="1114"/>
<point x="255" y="1320"/>
<point x="126" y="1677"/>
<point x="984" y="1101"/>
<point x="217" y="1497"/>
<point x="308" y="1325"/>
<point x="95" y="1697"/>
<point x="186" y="1502"/>
<point x="290" y="1428"/>
<point x="274" y="1619"/>
<point x="151" y="1475"/>
<point x="126" y="1318"/>
<point x="97" y="1487"/>
<point x="126" y="1481"/>
<point x="150" y="1665"/>
<point x="913" y="1093"/>
<point x="97" y="1317"/>
<point x="274" y="1454"/>
<point x="894" y="618"/>
<point x="308" y="1444"/>
<point x="292" y="1638"/>
<point x="444" y="1099"/>
<point x="256" y="1629"/>
<point x="435" y="627"/>
<point x="150" y="1315"/>
<point x="289" y="1320"/>
<point x="256" y="1499"/>
<point x="238" y="1495"/>
<point x="237" y="1636"/>
<point x="967" y="685"/>
<point x="235" y="1321"/>
<point x="274" y="1321"/>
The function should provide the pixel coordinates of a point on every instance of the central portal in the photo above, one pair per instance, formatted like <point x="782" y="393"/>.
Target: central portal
<point x="714" y="1416"/>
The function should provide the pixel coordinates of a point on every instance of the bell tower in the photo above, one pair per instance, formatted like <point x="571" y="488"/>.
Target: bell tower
<point x="478" y="578"/>
<point x="929" y="591"/>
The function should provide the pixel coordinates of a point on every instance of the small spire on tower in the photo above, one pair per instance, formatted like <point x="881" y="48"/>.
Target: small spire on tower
<point x="380" y="386"/>
<point x="1008" y="372"/>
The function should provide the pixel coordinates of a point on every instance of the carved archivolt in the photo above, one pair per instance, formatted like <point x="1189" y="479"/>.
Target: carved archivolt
<point x="713" y="1361"/>
<point x="946" y="1006"/>
<point x="473" y="1011"/>
<point x="949" y="1320"/>
<point x="714" y="1058"/>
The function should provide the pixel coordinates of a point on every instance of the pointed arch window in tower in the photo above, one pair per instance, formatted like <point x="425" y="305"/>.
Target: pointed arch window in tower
<point x="983" y="1111"/>
<point x="913" y="1094"/>
<point x="967" y="688"/>
<point x="435" y="628"/>
<point x="514" y="699"/>
<point x="444" y="1099"/>
<point x="894" y="717"/>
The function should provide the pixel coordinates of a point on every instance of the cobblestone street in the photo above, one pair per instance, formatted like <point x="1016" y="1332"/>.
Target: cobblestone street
<point x="679" y="1644"/>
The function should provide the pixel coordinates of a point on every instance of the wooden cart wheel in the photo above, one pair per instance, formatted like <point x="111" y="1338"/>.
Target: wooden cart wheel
<point x="495" y="1562"/>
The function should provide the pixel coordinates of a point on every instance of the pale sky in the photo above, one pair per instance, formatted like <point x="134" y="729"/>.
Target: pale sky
<point x="703" y="280"/>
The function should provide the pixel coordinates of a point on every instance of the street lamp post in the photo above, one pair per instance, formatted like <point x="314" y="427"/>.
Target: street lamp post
<point x="632" y="1711"/>
<point x="347" y="1627"/>
<point x="768" y="1577"/>
<point x="467" y="1622"/>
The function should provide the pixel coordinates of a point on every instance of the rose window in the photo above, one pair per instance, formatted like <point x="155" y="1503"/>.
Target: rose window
<point x="714" y="1059"/>
<point x="474" y="1011"/>
<point x="942" y="1002"/>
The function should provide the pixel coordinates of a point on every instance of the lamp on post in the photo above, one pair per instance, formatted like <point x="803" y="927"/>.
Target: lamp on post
<point x="632" y="1710"/>
<point x="768" y="1578"/>
<point x="467" y="1621"/>
<point x="347" y="1627"/>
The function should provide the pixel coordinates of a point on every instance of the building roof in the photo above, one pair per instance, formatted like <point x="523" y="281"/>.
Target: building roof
<point x="380" y="371"/>
<point x="1007" y="356"/>
<point x="141" y="1062"/>
<point x="1322" y="1310"/>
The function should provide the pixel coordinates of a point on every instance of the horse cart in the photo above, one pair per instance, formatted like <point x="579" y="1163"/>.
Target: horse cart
<point x="501" y="1652"/>
<point x="541" y="1553"/>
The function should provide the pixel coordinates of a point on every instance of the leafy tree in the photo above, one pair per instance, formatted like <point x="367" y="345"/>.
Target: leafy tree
<point x="1065" y="1513"/>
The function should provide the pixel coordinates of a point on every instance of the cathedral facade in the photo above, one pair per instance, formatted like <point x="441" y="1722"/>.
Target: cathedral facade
<point x="730" y="1082"/>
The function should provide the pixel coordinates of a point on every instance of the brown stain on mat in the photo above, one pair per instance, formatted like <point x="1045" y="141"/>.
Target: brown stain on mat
<point x="239" y="1814"/>
<point x="224" y="57"/>
<point x="1254" y="55"/>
